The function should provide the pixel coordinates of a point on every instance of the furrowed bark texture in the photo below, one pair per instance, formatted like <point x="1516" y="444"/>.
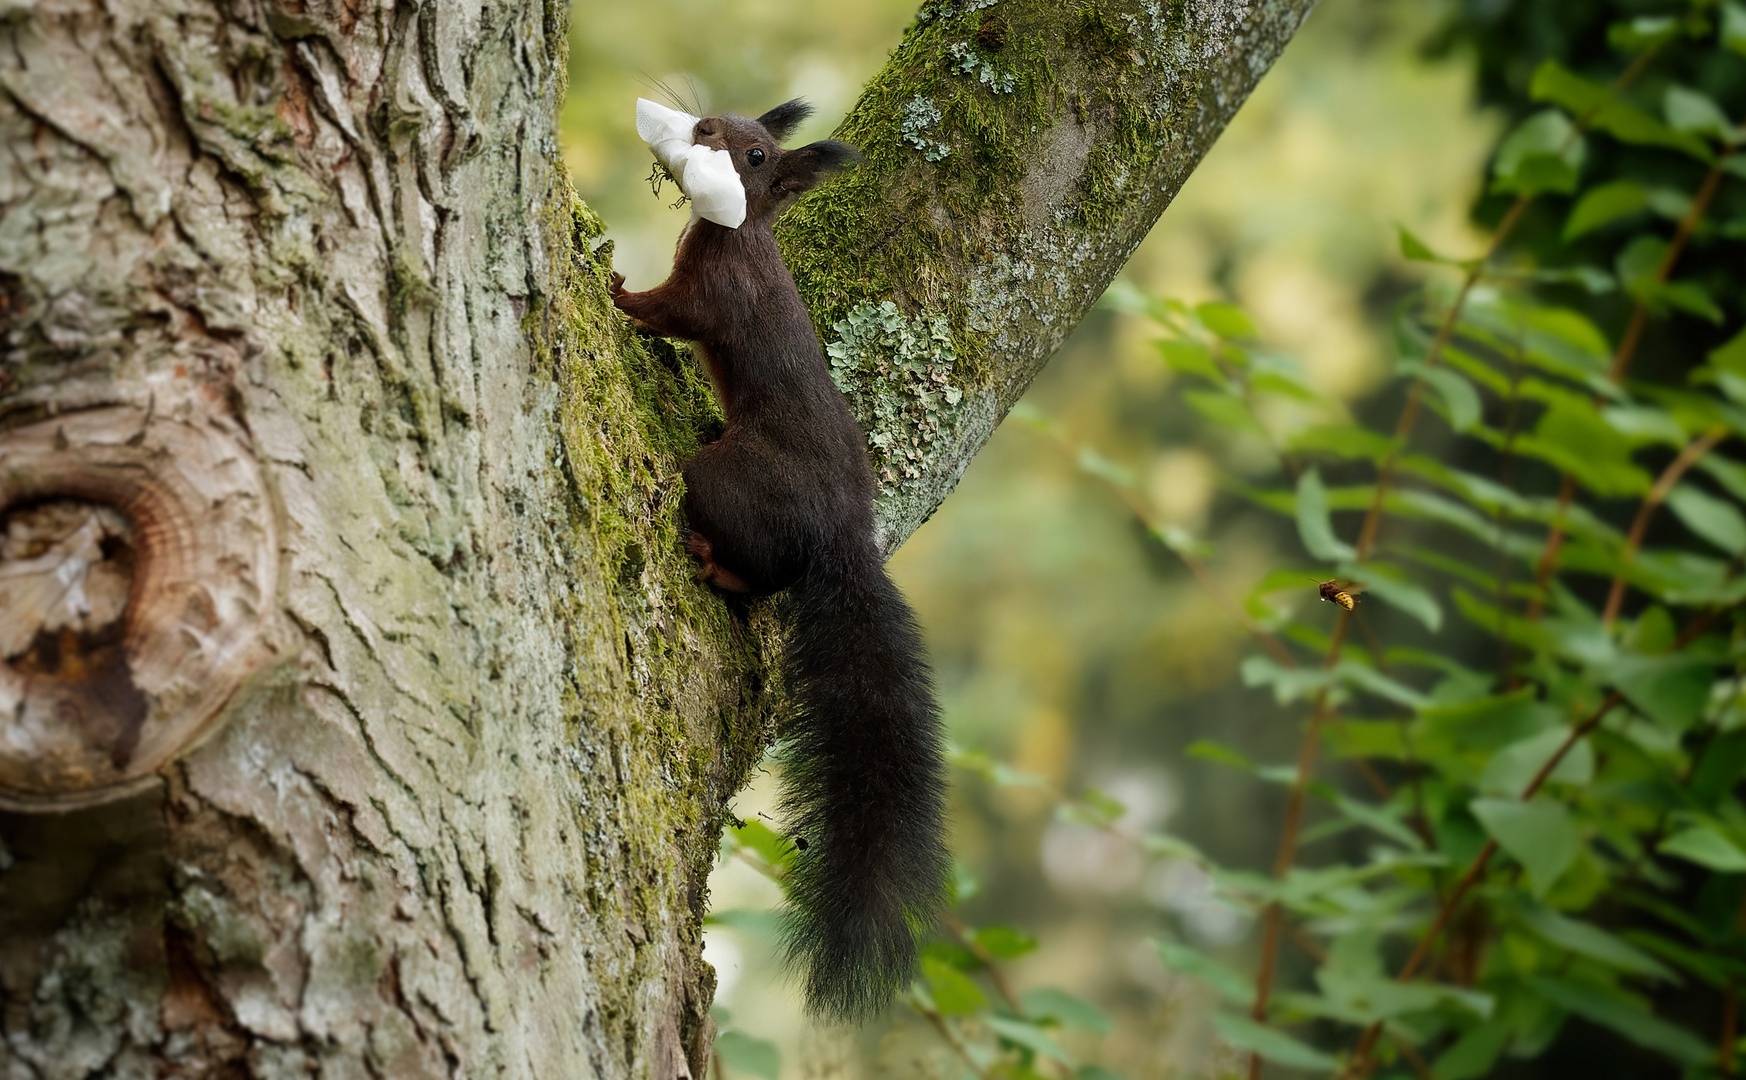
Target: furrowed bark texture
<point x="360" y="716"/>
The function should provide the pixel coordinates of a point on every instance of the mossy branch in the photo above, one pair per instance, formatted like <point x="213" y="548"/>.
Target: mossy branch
<point x="1016" y="154"/>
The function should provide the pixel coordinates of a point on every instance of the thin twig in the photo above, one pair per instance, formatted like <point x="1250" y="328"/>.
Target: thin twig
<point x="1731" y="1007"/>
<point x="1681" y="233"/>
<point x="1420" y="1067"/>
<point x="980" y="951"/>
<point x="1274" y="916"/>
<point x="1657" y="494"/>
<point x="933" y="1017"/>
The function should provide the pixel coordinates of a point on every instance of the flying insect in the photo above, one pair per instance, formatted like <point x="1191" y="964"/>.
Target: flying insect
<point x="1340" y="592"/>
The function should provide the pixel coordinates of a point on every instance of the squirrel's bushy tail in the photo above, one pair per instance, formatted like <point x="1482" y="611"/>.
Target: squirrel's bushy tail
<point x="864" y="788"/>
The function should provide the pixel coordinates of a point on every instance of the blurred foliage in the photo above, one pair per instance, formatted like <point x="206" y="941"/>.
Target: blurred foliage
<point x="1510" y="841"/>
<point x="1550" y="810"/>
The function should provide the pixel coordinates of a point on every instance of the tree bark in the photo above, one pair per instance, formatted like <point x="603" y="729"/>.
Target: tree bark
<point x="361" y="714"/>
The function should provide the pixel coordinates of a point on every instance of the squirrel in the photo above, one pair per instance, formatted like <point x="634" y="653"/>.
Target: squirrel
<point x="783" y="503"/>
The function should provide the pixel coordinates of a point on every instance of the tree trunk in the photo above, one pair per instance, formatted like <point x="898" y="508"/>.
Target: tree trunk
<point x="362" y="716"/>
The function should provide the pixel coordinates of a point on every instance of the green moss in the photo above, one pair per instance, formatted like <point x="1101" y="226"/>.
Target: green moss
<point x="947" y="131"/>
<point x="1098" y="36"/>
<point x="631" y="415"/>
<point x="1124" y="156"/>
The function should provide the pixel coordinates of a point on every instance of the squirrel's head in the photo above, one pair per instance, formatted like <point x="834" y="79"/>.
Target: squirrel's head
<point x="773" y="177"/>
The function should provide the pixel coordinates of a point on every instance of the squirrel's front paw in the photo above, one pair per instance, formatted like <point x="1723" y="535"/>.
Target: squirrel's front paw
<point x="615" y="287"/>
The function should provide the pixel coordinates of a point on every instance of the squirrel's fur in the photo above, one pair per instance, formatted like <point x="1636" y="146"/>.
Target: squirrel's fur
<point x="784" y="501"/>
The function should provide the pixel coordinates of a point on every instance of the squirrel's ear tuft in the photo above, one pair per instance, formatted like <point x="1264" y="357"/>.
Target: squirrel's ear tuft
<point x="781" y="121"/>
<point x="804" y="168"/>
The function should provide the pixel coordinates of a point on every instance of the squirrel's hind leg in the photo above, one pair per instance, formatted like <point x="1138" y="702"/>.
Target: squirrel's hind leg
<point x="709" y="570"/>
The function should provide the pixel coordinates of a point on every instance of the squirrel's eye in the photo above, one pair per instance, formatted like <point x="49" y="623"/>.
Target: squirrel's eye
<point x="755" y="156"/>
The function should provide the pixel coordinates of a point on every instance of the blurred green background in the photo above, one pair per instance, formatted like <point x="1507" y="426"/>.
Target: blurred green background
<point x="1066" y="642"/>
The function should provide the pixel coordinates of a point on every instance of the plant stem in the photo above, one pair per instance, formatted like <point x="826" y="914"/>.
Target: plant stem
<point x="1274" y="917"/>
<point x="939" y="1022"/>
<point x="995" y="974"/>
<point x="1657" y="494"/>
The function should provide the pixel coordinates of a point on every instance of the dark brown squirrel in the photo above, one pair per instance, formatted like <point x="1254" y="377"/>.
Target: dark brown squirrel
<point x="784" y="501"/>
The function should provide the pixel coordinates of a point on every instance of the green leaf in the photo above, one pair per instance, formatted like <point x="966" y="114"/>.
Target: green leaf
<point x="1208" y="750"/>
<point x="1639" y="267"/>
<point x="1643" y="32"/>
<point x="759" y="922"/>
<point x="1273" y="377"/>
<point x="1586" y="939"/>
<point x="1670" y="203"/>
<point x="1191" y="358"/>
<point x="1513" y="767"/>
<point x="1669" y="689"/>
<point x="1364" y="677"/>
<point x="1484" y="724"/>
<point x="1691" y="110"/>
<point x="1640" y="422"/>
<point x="1716" y="520"/>
<point x="1726" y="472"/>
<point x="1734" y="26"/>
<point x="1731" y="354"/>
<point x="1381" y="820"/>
<point x="1411" y="247"/>
<point x="1288" y="683"/>
<point x="1722" y="763"/>
<point x="1055" y="1004"/>
<point x="1394" y="588"/>
<point x="1711" y="968"/>
<point x="1097" y="1072"/>
<point x="1639" y="263"/>
<point x="1226" y="320"/>
<point x="1543" y="154"/>
<point x="1368" y="739"/>
<point x="1028" y="1035"/>
<point x="1539" y="834"/>
<point x="1474" y="1054"/>
<point x="1572" y="436"/>
<point x="776" y="849"/>
<point x="1275" y="1046"/>
<point x="965" y="883"/>
<point x="1229" y="985"/>
<point x="744" y="1053"/>
<point x="1691" y="298"/>
<point x="1604" y="205"/>
<point x="954" y="993"/>
<point x="1225" y="410"/>
<point x="1459" y="397"/>
<point x="1314" y="527"/>
<point x="1603" y="110"/>
<point x="1095" y="464"/>
<point x="1706" y="847"/>
<point x="1345" y="440"/>
<point x="1636" y="1024"/>
<point x="1003" y="942"/>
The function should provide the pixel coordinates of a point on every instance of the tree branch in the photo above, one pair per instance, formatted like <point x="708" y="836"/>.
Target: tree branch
<point x="1015" y="156"/>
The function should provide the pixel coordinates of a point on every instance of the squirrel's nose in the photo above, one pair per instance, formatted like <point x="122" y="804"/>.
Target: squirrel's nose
<point x="707" y="128"/>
